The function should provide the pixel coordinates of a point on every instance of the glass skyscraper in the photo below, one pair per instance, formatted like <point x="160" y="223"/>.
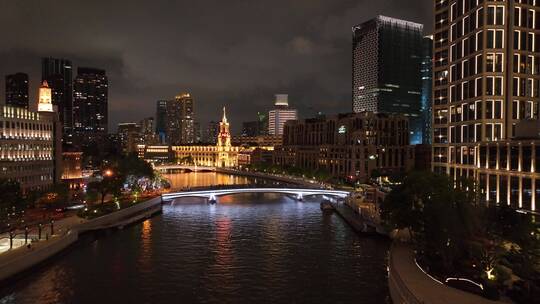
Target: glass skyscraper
<point x="386" y="69"/>
<point x="59" y="75"/>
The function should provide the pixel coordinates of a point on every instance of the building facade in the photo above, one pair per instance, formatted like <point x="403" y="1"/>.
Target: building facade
<point x="180" y="120"/>
<point x="222" y="154"/>
<point x="59" y="75"/>
<point x="17" y="90"/>
<point x="129" y="135"/>
<point x="280" y="115"/>
<point x="386" y="65"/>
<point x="426" y="71"/>
<point x="90" y="110"/>
<point x="161" y="120"/>
<point x="486" y="81"/>
<point x="258" y="141"/>
<point x="349" y="145"/>
<point x="30" y="144"/>
<point x="212" y="131"/>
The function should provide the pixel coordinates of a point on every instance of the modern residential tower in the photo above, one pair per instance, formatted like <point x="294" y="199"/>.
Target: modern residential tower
<point x="486" y="97"/>
<point x="180" y="120"/>
<point x="90" y="108"/>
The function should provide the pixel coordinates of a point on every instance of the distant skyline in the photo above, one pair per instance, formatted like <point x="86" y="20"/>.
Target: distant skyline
<point x="232" y="53"/>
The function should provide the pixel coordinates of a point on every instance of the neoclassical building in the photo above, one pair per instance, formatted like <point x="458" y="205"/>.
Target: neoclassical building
<point x="223" y="154"/>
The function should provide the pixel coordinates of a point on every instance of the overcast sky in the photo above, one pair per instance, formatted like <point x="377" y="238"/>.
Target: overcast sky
<point x="237" y="53"/>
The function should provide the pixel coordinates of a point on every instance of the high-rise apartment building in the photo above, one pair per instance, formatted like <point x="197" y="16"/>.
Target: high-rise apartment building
<point x="17" y="90"/>
<point x="161" y="120"/>
<point x="486" y="84"/>
<point x="280" y="115"/>
<point x="90" y="108"/>
<point x="426" y="70"/>
<point x="386" y="69"/>
<point x="180" y="120"/>
<point x="212" y="130"/>
<point x="59" y="75"/>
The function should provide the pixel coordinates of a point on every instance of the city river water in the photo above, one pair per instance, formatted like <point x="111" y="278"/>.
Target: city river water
<point x="248" y="248"/>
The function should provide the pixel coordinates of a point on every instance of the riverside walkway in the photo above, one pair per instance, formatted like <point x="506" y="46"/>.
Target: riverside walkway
<point x="409" y="284"/>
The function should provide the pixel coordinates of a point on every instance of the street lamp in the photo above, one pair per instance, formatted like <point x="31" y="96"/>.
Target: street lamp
<point x="108" y="173"/>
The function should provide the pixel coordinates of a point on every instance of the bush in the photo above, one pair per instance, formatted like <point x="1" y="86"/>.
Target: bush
<point x="491" y="292"/>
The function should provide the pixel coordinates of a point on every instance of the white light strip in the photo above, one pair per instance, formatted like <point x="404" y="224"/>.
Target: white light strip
<point x="206" y="193"/>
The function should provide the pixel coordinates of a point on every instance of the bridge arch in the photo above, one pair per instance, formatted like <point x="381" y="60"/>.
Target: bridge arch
<point x="212" y="194"/>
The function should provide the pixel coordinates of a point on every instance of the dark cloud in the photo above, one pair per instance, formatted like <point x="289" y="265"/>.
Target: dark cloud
<point x="236" y="52"/>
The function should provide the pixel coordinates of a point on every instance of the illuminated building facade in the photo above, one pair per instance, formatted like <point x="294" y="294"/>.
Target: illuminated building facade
<point x="59" y="75"/>
<point x="90" y="108"/>
<point x="30" y="144"/>
<point x="349" y="145"/>
<point x="17" y="90"/>
<point x="180" y="120"/>
<point x="258" y="141"/>
<point x="222" y="154"/>
<point x="486" y="83"/>
<point x="386" y="65"/>
<point x="280" y="115"/>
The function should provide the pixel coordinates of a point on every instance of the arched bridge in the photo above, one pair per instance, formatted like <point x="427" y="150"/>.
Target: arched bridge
<point x="212" y="194"/>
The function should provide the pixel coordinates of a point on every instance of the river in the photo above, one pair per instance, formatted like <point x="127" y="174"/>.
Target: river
<point x="248" y="248"/>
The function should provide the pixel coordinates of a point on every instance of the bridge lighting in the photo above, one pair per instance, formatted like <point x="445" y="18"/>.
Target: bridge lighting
<point x="213" y="193"/>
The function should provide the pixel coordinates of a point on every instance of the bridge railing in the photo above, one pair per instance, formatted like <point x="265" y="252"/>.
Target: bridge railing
<point x="232" y="187"/>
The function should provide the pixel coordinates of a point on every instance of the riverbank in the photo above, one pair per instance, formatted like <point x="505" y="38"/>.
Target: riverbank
<point x="356" y="222"/>
<point x="23" y="258"/>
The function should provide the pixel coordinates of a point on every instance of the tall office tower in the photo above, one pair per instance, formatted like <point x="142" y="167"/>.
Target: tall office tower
<point x="280" y="114"/>
<point x="90" y="107"/>
<point x="180" y="124"/>
<point x="427" y="88"/>
<point x="161" y="120"/>
<point x="59" y="75"/>
<point x="129" y="135"/>
<point x="197" y="132"/>
<point x="263" y="123"/>
<point x="386" y="69"/>
<point x="486" y="91"/>
<point x="211" y="132"/>
<point x="17" y="90"/>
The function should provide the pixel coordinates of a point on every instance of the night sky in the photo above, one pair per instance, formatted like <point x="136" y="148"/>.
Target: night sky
<point x="237" y="53"/>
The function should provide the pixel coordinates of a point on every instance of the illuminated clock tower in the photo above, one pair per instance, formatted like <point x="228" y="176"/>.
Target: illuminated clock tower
<point x="45" y="98"/>
<point x="224" y="136"/>
<point x="224" y="143"/>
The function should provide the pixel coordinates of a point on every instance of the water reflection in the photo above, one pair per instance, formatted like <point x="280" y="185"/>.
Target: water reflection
<point x="247" y="248"/>
<point x="201" y="179"/>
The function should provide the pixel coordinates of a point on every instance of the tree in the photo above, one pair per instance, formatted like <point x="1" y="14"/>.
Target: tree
<point x="108" y="185"/>
<point x="11" y="198"/>
<point x="439" y="216"/>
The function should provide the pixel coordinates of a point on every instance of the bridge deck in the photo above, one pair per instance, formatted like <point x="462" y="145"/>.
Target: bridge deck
<point x="212" y="193"/>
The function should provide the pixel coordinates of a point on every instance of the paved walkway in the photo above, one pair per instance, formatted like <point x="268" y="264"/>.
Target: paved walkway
<point x="425" y="289"/>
